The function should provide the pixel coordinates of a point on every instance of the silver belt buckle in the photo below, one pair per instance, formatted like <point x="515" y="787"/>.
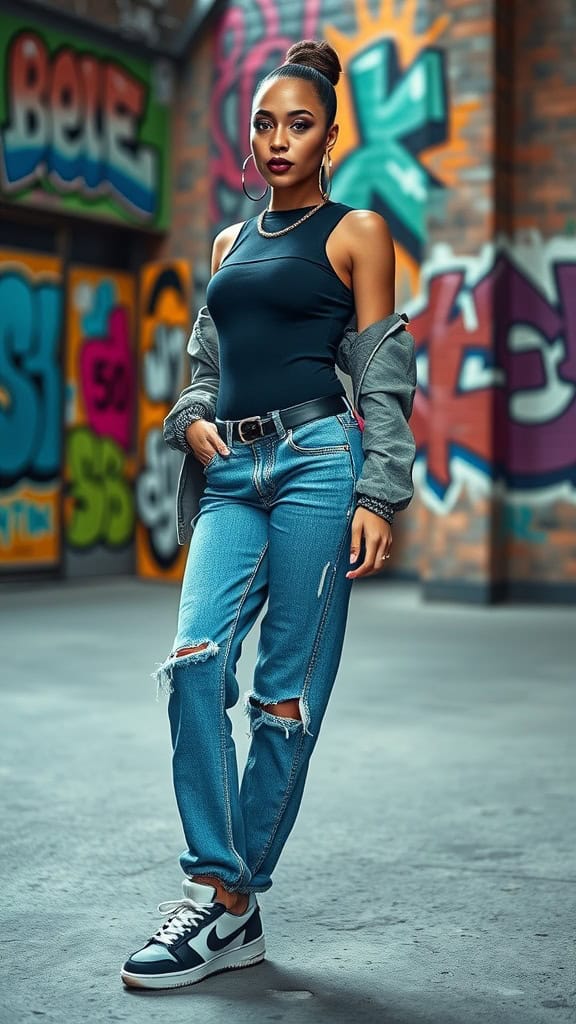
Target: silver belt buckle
<point x="249" y="419"/>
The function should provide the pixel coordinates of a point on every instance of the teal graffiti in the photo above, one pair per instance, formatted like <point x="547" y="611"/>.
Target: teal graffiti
<point x="398" y="114"/>
<point x="30" y="377"/>
<point x="95" y="319"/>
<point x="519" y="523"/>
<point x="22" y="518"/>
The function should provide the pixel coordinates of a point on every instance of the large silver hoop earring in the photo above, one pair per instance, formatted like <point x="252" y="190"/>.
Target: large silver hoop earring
<point x="325" y="193"/>
<point x="255" y="199"/>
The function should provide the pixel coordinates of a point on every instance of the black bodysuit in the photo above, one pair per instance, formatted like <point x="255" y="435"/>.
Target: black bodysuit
<point x="280" y="311"/>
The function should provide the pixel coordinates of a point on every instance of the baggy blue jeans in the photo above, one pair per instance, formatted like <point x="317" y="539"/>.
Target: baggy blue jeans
<point x="274" y="523"/>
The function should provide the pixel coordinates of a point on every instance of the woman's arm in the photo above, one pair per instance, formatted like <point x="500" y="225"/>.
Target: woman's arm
<point x="373" y="265"/>
<point x="197" y="402"/>
<point x="198" y="399"/>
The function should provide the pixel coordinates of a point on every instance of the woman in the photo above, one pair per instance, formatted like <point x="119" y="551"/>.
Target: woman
<point x="293" y="494"/>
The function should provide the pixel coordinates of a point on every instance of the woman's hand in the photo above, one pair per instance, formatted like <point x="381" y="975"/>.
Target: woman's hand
<point x="204" y="440"/>
<point x="377" y="543"/>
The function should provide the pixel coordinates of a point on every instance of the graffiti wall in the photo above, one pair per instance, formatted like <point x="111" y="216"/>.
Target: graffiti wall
<point x="87" y="484"/>
<point x="30" y="410"/>
<point x="164" y="323"/>
<point x="494" y="320"/>
<point x="82" y="129"/>
<point x="495" y="411"/>
<point x="100" y="422"/>
<point x="396" y="117"/>
<point x="498" y="332"/>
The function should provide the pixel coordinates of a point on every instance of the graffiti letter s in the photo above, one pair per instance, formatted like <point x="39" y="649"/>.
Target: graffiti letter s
<point x="30" y="388"/>
<point x="19" y="417"/>
<point x="118" y="526"/>
<point x="102" y="501"/>
<point x="85" y="488"/>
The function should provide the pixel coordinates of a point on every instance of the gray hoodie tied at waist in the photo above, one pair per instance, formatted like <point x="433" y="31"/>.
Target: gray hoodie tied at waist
<point x="381" y="363"/>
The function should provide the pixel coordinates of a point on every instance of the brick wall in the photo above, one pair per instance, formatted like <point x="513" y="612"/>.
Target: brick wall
<point x="462" y="216"/>
<point x="191" y="233"/>
<point x="545" y="117"/>
<point x="542" y="550"/>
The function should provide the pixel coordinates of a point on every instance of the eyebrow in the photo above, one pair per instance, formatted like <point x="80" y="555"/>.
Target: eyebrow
<point x="291" y="113"/>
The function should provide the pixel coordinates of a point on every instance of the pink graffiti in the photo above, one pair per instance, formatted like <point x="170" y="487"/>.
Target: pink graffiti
<point x="548" y="447"/>
<point x="501" y="394"/>
<point x="106" y="366"/>
<point x="240" y="61"/>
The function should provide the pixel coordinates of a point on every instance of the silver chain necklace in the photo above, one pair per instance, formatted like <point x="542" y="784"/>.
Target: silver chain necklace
<point x="275" y="234"/>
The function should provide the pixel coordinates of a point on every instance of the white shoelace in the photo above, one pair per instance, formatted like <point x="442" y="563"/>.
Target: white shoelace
<point x="184" y="914"/>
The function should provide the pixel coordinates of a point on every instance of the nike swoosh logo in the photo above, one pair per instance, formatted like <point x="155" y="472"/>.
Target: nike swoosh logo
<point x="215" y="943"/>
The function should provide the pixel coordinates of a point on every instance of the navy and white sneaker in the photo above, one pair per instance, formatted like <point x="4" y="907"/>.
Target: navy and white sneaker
<point x="200" y="937"/>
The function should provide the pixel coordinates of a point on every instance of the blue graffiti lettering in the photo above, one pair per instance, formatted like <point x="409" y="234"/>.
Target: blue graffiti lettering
<point x="30" y="380"/>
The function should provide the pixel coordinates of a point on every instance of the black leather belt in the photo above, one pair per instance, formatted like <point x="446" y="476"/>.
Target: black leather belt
<point x="252" y="427"/>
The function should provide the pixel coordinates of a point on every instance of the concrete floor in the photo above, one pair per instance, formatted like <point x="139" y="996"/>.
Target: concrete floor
<point x="431" y="875"/>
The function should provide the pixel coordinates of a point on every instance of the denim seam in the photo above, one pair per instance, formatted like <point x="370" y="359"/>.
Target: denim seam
<point x="306" y="687"/>
<point x="346" y="420"/>
<point x="326" y="450"/>
<point x="223" y="705"/>
<point x="254" y="471"/>
<point x="257" y="463"/>
<point x="287" y="795"/>
<point x="320" y="630"/>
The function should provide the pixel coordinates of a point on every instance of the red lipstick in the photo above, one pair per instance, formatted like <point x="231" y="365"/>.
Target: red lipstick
<point x="278" y="166"/>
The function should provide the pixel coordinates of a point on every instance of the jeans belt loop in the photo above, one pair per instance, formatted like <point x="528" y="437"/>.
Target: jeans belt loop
<point x="280" y="428"/>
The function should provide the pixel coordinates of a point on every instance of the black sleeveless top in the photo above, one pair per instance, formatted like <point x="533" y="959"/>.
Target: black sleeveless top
<point x="280" y="311"/>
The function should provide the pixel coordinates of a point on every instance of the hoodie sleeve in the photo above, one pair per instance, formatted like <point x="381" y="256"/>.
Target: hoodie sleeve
<point x="385" y="401"/>
<point x="198" y="400"/>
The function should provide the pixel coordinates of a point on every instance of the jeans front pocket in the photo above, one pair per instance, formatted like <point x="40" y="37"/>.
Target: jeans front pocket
<point x="323" y="436"/>
<point x="206" y="465"/>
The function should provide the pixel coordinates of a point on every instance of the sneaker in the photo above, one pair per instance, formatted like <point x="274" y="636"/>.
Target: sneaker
<point x="199" y="938"/>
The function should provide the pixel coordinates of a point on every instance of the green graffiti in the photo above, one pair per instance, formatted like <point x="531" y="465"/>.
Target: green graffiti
<point x="102" y="499"/>
<point x="398" y="115"/>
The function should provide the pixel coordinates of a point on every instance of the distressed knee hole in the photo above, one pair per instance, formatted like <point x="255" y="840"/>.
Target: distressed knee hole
<point x="183" y="656"/>
<point x="190" y="650"/>
<point x="284" y="709"/>
<point x="290" y="715"/>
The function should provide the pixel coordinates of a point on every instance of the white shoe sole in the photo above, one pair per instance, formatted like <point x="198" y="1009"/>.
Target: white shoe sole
<point x="245" y="956"/>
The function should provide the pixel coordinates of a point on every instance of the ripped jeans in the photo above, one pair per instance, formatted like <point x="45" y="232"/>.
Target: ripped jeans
<point x="274" y="523"/>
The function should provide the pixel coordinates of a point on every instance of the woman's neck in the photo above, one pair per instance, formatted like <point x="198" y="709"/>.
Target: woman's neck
<point x="283" y="203"/>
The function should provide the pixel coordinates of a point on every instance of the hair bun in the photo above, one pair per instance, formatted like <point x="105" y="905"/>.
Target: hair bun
<point x="317" y="54"/>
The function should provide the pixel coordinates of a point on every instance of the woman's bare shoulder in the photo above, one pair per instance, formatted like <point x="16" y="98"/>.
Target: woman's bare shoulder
<point x="223" y="242"/>
<point x="365" y="225"/>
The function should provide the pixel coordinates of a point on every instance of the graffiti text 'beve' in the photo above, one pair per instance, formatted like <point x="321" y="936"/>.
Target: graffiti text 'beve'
<point x="75" y="117"/>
